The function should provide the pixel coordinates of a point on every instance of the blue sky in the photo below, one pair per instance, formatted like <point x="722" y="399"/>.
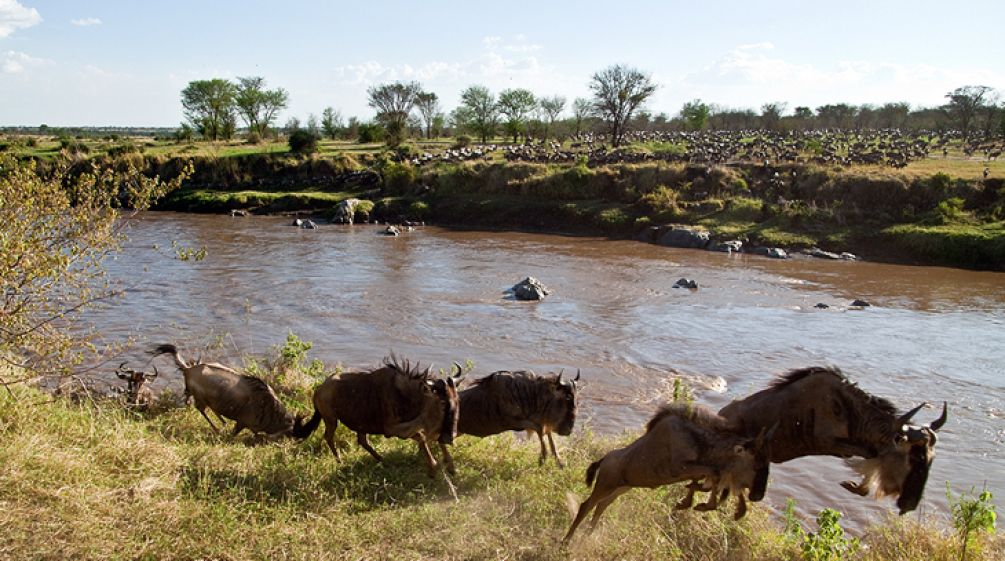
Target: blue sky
<point x="124" y="62"/>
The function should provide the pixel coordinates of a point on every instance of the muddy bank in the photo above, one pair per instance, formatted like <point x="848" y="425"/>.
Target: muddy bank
<point x="881" y="214"/>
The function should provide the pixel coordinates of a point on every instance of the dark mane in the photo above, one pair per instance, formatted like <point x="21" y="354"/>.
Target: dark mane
<point x="406" y="367"/>
<point x="516" y="376"/>
<point x="697" y="414"/>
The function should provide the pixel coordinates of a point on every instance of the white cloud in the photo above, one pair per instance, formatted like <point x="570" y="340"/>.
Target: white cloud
<point x="750" y="75"/>
<point x="14" y="62"/>
<point x="86" y="22"/>
<point x="14" y="16"/>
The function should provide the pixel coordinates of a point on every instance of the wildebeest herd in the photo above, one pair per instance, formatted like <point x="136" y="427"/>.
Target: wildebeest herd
<point x="806" y="412"/>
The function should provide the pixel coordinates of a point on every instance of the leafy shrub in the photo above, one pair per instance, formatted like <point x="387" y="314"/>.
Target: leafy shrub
<point x="369" y="132"/>
<point x="123" y="149"/>
<point x="971" y="515"/>
<point x="398" y="177"/>
<point x="661" y="199"/>
<point x="72" y="146"/>
<point x="364" y="208"/>
<point x="829" y="543"/>
<point x="418" y="210"/>
<point x="32" y="142"/>
<point x="253" y="138"/>
<point x="462" y="141"/>
<point x="303" y="142"/>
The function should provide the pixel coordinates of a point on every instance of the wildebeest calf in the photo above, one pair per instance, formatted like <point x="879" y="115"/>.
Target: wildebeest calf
<point x="520" y="400"/>
<point x="681" y="443"/>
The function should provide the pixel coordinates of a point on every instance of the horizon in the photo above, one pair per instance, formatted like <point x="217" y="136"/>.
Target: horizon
<point x="99" y="65"/>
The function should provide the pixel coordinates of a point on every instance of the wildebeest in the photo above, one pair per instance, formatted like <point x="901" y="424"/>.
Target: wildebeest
<point x="247" y="400"/>
<point x="397" y="399"/>
<point x="520" y="400"/>
<point x="681" y="442"/>
<point x="137" y="395"/>
<point x="820" y="412"/>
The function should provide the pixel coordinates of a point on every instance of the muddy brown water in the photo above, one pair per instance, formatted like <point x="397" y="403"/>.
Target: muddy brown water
<point x="437" y="295"/>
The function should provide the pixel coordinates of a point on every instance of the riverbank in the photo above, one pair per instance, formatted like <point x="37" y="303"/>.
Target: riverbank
<point x="878" y="213"/>
<point x="96" y="482"/>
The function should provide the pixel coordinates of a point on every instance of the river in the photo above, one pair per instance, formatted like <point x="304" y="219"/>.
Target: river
<point x="931" y="334"/>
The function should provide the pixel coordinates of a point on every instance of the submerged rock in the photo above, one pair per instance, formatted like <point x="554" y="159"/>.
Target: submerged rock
<point x="345" y="211"/>
<point x="732" y="246"/>
<point x="530" y="289"/>
<point x="678" y="236"/>
<point x="821" y="306"/>
<point x="860" y="304"/>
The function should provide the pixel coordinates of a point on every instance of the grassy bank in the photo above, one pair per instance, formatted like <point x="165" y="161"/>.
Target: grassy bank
<point x="91" y="482"/>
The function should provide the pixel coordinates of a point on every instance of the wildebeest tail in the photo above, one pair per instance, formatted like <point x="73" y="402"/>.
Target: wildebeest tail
<point x="304" y="430"/>
<point x="170" y="350"/>
<point x="591" y="472"/>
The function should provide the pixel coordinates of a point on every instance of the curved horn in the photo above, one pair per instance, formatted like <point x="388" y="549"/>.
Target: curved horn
<point x="152" y="376"/>
<point x="560" y="376"/>
<point x="460" y="372"/>
<point x="576" y="379"/>
<point x="122" y="372"/>
<point x="903" y="419"/>
<point x="937" y="424"/>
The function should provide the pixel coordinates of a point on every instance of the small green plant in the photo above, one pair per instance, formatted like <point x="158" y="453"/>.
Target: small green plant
<point x="793" y="529"/>
<point x="829" y="542"/>
<point x="682" y="392"/>
<point x="183" y="253"/>
<point x="972" y="514"/>
<point x="303" y="142"/>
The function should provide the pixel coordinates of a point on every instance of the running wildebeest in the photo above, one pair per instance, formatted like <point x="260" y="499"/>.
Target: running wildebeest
<point x="681" y="443"/>
<point x="397" y="399"/>
<point x="246" y="400"/>
<point x="136" y="394"/>
<point x="520" y="400"/>
<point x="820" y="412"/>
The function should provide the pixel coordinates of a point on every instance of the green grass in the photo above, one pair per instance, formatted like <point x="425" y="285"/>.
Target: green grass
<point x="100" y="483"/>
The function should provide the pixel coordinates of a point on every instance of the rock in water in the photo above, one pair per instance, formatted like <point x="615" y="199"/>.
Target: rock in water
<point x="860" y="304"/>
<point x="684" y="237"/>
<point x="530" y="289"/>
<point x="685" y="283"/>
<point x="732" y="246"/>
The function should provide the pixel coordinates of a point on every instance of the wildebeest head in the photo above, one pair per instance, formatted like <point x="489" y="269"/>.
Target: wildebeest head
<point x="914" y="450"/>
<point x="562" y="406"/>
<point x="759" y="450"/>
<point x="134" y="381"/>
<point x="445" y="389"/>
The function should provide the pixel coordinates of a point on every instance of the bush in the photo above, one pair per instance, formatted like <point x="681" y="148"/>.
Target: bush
<point x="369" y="132"/>
<point x="123" y="149"/>
<point x="303" y="142"/>
<point x="418" y="210"/>
<point x="253" y="138"/>
<point x="364" y="208"/>
<point x="972" y="514"/>
<point x="462" y="141"/>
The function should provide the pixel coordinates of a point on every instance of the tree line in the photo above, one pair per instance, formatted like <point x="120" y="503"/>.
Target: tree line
<point x="619" y="93"/>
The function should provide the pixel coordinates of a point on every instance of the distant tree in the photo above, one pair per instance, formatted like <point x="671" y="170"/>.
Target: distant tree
<point x="394" y="102"/>
<point x="438" y="125"/>
<point x="551" y="108"/>
<point x="840" y="116"/>
<point x="209" y="105"/>
<point x="428" y="105"/>
<point x="258" y="106"/>
<point x="292" y="125"/>
<point x="331" y="122"/>
<point x="771" y="115"/>
<point x="478" y="112"/>
<point x="313" y="125"/>
<point x="964" y="105"/>
<point x="695" y="114"/>
<point x="516" y="105"/>
<point x="617" y="92"/>
<point x="581" y="108"/>
<point x="184" y="133"/>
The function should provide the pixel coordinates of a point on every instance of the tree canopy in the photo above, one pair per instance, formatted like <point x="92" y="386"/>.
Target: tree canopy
<point x="617" y="92"/>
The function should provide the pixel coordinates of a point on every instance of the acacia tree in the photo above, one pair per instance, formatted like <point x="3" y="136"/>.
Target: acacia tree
<point x="771" y="114"/>
<point x="965" y="104"/>
<point x="516" y="105"/>
<point x="617" y="92"/>
<point x="428" y="105"/>
<point x="695" y="114"/>
<point x="394" y="102"/>
<point x="58" y="228"/>
<point x="331" y="122"/>
<point x="551" y="107"/>
<point x="209" y="106"/>
<point x="258" y="106"/>
<point x="478" y="112"/>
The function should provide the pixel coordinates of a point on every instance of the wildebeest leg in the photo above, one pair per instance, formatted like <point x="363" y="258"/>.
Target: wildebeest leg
<point x="544" y="451"/>
<point x="447" y="459"/>
<point x="365" y="443"/>
<point x="428" y="455"/>
<point x="554" y="451"/>
<point x="602" y="506"/>
<point x="741" y="505"/>
<point x="330" y="427"/>
<point x="713" y="497"/>
<point x="595" y="497"/>
<point x="688" y="500"/>
<point x="205" y="416"/>
<point x="238" y="427"/>
<point x="860" y="489"/>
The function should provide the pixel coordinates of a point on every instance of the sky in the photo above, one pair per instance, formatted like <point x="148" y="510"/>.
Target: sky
<point x="124" y="63"/>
